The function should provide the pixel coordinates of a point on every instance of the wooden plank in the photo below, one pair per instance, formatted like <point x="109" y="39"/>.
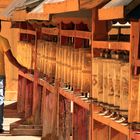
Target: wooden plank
<point x="28" y="99"/>
<point x="68" y="33"/>
<point x="115" y="135"/>
<point x="111" y="123"/>
<point x="80" y="123"/>
<point x="101" y="131"/>
<point x="19" y="15"/>
<point x="26" y="132"/>
<point x="26" y="31"/>
<point x="111" y="45"/>
<point x="50" y="31"/>
<point x="111" y="13"/>
<point x="50" y="115"/>
<point x="73" y="98"/>
<point x="59" y="7"/>
<point x="26" y="75"/>
<point x="91" y="3"/>
<point x="83" y="34"/>
<point x="38" y="16"/>
<point x="81" y="103"/>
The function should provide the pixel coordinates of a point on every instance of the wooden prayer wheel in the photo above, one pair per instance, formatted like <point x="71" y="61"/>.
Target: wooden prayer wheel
<point x="117" y="75"/>
<point x="105" y="81"/>
<point x="76" y="68"/>
<point x="53" y="59"/>
<point x="68" y="58"/>
<point x="124" y="88"/>
<point x="45" y="57"/>
<point x="95" y="79"/>
<point x="71" y="67"/>
<point x="86" y="71"/>
<point x="111" y="85"/>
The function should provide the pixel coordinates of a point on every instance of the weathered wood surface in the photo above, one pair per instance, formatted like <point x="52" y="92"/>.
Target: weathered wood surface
<point x="50" y="117"/>
<point x="65" y="119"/>
<point x="80" y="123"/>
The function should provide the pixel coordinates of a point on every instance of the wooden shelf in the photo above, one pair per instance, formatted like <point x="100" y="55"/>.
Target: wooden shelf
<point x="83" y="34"/>
<point x="48" y="86"/>
<point x="26" y="75"/>
<point x="25" y="31"/>
<point x="50" y="31"/>
<point x="68" y="33"/>
<point x="82" y="103"/>
<point x="76" y="33"/>
<point x="111" y="123"/>
<point x="74" y="98"/>
<point x="111" y="45"/>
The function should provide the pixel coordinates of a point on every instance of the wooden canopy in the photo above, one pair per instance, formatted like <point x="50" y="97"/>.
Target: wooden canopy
<point x="60" y="6"/>
<point x="18" y="9"/>
<point x="7" y="13"/>
<point x="38" y="13"/>
<point x="117" y="9"/>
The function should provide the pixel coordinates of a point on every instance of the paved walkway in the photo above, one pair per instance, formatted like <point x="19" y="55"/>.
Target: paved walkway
<point x="7" y="136"/>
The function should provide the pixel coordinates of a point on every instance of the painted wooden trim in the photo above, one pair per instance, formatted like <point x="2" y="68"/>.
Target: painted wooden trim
<point x="111" y="13"/>
<point x="111" y="45"/>
<point x="60" y="7"/>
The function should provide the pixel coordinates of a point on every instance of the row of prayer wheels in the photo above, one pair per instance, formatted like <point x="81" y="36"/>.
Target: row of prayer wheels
<point x="110" y="83"/>
<point x="72" y="67"/>
<point x="25" y="53"/>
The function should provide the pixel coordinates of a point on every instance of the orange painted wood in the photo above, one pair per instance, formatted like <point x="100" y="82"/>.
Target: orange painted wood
<point x="101" y="131"/>
<point x="111" y="45"/>
<point x="83" y="34"/>
<point x="111" y="13"/>
<point x="5" y="3"/>
<point x="68" y="33"/>
<point x="116" y="135"/>
<point x="84" y="4"/>
<point x="111" y="123"/>
<point x="99" y="28"/>
<point x="134" y="43"/>
<point x="73" y="98"/>
<point x="21" y="94"/>
<point x="26" y="75"/>
<point x="19" y="15"/>
<point x="65" y="118"/>
<point x="80" y="123"/>
<point x="50" y="116"/>
<point x="75" y="20"/>
<point x="59" y="7"/>
<point x="47" y="86"/>
<point x="25" y="31"/>
<point x="133" y="101"/>
<point x="37" y="16"/>
<point x="28" y="99"/>
<point x="50" y="31"/>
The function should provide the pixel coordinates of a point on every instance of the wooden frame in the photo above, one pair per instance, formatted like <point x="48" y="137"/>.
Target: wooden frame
<point x="59" y="7"/>
<point x="117" y="12"/>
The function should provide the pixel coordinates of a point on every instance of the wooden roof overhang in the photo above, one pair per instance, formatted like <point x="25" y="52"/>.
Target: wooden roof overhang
<point x="117" y="9"/>
<point x="60" y="6"/>
<point x="18" y="9"/>
<point x="7" y="13"/>
<point x="38" y="13"/>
